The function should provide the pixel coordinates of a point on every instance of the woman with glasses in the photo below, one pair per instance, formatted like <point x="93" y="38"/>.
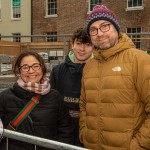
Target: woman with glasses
<point x="47" y="119"/>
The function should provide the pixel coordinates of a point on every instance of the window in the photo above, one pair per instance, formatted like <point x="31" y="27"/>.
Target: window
<point x="16" y="12"/>
<point x="51" y="7"/>
<point x="134" y="3"/>
<point x="16" y="37"/>
<point x="51" y="38"/>
<point x="53" y="58"/>
<point x="92" y="3"/>
<point x="135" y="38"/>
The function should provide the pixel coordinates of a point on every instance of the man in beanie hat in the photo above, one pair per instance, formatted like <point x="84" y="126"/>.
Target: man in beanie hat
<point x="115" y="94"/>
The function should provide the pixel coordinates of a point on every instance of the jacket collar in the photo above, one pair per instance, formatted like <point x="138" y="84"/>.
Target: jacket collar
<point x="124" y="43"/>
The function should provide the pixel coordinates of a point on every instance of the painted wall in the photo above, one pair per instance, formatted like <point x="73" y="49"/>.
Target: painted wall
<point x="9" y="25"/>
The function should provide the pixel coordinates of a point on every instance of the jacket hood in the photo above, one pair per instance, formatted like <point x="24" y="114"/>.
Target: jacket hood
<point x="71" y="56"/>
<point x="124" y="43"/>
<point x="70" y="60"/>
<point x="73" y="67"/>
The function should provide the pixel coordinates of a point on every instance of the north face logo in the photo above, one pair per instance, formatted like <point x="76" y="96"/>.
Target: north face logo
<point x="116" y="68"/>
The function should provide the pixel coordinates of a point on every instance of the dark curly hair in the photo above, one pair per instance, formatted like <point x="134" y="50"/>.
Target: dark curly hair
<point x="18" y="60"/>
<point x="81" y="35"/>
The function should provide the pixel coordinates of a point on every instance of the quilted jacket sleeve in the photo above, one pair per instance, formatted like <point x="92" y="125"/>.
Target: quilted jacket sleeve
<point x="82" y="112"/>
<point x="141" y="69"/>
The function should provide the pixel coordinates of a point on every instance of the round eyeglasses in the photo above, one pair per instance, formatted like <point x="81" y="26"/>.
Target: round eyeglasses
<point x="103" y="28"/>
<point x="26" y="68"/>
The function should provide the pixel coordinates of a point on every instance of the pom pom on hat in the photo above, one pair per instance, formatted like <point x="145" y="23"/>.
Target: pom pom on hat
<point x="101" y="12"/>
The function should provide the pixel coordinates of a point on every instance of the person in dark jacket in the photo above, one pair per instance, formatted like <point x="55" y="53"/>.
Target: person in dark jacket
<point x="66" y="77"/>
<point x="49" y="119"/>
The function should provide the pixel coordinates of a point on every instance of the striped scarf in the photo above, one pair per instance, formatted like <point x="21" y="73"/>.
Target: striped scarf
<point x="39" y="88"/>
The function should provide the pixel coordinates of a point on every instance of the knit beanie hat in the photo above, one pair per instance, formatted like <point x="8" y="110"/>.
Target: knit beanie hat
<point x="101" y="12"/>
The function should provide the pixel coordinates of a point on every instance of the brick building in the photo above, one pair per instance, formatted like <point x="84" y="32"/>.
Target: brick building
<point x="70" y="14"/>
<point x="54" y="17"/>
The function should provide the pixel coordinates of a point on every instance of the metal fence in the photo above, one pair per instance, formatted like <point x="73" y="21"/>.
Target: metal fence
<point x="53" y="53"/>
<point x="37" y="141"/>
<point x="141" y="40"/>
<point x="32" y="42"/>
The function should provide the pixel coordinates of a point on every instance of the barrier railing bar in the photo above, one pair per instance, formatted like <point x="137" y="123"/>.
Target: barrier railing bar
<point x="38" y="141"/>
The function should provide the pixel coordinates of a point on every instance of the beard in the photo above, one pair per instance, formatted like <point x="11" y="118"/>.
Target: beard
<point x="104" y="44"/>
<point x="101" y="47"/>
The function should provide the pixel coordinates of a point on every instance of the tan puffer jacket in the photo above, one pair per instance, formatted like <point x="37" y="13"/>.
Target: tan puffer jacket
<point x="115" y="99"/>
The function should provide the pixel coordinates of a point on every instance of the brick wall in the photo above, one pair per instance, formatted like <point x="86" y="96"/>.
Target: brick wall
<point x="136" y="18"/>
<point x="72" y="14"/>
<point x="132" y="19"/>
<point x="40" y="24"/>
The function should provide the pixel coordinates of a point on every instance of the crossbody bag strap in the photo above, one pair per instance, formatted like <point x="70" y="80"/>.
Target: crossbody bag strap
<point x="13" y="125"/>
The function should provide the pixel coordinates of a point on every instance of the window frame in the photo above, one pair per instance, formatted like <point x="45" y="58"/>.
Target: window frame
<point x="13" y="11"/>
<point x="48" y="9"/>
<point x="138" y="7"/>
<point x="137" y="41"/>
<point x="51" y="39"/>
<point x="90" y="8"/>
<point x="16" y="37"/>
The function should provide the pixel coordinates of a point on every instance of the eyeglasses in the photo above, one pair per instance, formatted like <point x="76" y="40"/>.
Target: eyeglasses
<point x="26" y="68"/>
<point x="103" y="28"/>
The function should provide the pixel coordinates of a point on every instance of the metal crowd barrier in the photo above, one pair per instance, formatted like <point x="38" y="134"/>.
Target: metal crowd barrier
<point x="36" y="141"/>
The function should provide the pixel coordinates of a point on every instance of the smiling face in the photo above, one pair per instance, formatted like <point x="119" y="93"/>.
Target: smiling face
<point x="31" y="75"/>
<point x="82" y="51"/>
<point x="104" y="40"/>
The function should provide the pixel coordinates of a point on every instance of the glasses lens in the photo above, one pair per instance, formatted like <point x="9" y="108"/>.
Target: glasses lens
<point x="36" y="67"/>
<point x="24" y="68"/>
<point x="105" y="27"/>
<point x="93" y="31"/>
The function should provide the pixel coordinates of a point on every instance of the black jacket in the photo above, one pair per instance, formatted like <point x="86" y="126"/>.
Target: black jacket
<point x="66" y="78"/>
<point x="49" y="119"/>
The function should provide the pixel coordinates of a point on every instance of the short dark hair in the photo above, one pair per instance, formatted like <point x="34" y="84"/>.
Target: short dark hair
<point x="81" y="35"/>
<point x="18" y="60"/>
